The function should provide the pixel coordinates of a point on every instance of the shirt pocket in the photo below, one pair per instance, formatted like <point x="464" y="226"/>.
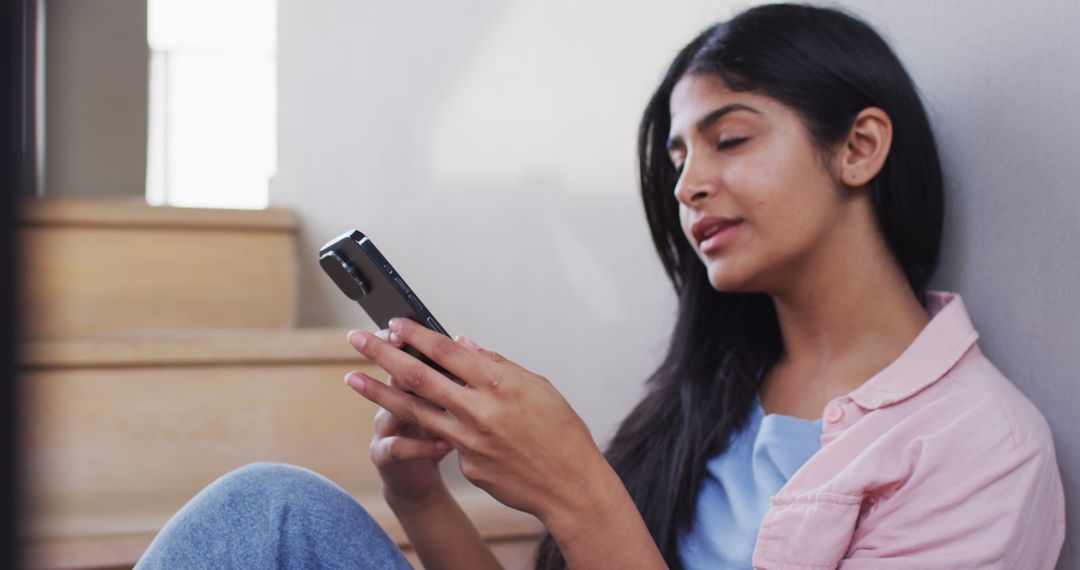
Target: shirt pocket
<point x="806" y="531"/>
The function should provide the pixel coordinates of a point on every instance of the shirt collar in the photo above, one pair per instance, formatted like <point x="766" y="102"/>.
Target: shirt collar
<point x="940" y="345"/>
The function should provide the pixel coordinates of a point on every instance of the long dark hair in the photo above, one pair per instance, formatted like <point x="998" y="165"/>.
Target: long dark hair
<point x="828" y="66"/>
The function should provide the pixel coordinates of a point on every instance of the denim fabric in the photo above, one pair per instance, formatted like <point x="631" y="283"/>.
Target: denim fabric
<point x="269" y="515"/>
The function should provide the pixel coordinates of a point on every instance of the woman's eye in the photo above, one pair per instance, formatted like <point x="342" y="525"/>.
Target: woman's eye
<point x="676" y="162"/>
<point x="730" y="143"/>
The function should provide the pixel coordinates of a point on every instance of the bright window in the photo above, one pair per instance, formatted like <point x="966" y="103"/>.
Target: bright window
<point x="212" y="102"/>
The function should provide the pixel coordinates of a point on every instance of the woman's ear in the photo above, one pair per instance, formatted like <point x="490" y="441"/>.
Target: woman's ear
<point x="863" y="153"/>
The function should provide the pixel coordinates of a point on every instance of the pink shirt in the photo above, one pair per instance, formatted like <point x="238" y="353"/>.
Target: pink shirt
<point x="935" y="462"/>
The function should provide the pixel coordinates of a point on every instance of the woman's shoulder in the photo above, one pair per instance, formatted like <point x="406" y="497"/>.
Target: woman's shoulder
<point x="936" y="459"/>
<point x="980" y="397"/>
<point x="945" y="387"/>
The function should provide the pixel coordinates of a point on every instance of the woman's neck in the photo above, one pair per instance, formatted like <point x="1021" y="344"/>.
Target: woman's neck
<point x="848" y="317"/>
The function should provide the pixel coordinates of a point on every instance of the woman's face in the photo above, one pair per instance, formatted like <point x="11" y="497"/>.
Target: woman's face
<point x="755" y="199"/>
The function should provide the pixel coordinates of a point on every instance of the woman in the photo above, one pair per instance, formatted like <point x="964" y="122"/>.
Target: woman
<point x="793" y="189"/>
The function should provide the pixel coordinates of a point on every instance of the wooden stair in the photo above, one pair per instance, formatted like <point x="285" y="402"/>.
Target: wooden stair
<point x="94" y="266"/>
<point x="180" y="372"/>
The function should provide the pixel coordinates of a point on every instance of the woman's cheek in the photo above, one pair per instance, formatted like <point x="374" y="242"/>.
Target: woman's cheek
<point x="684" y="222"/>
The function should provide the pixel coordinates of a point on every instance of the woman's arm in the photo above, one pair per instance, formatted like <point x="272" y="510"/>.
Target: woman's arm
<point x="605" y="529"/>
<point x="441" y="533"/>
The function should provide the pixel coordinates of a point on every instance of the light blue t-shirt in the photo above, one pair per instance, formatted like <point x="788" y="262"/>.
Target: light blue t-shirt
<point x="738" y="485"/>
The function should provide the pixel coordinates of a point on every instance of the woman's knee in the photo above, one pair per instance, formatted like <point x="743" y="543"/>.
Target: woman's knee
<point x="275" y="484"/>
<point x="270" y="514"/>
<point x="269" y="477"/>
<point x="311" y="517"/>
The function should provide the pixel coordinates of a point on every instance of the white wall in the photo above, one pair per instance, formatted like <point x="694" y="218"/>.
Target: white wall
<point x="488" y="147"/>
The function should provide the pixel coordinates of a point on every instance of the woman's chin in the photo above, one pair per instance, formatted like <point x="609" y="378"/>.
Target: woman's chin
<point x="726" y="281"/>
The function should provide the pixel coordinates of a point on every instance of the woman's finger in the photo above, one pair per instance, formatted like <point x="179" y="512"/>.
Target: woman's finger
<point x="408" y="409"/>
<point x="391" y="382"/>
<point x="384" y="334"/>
<point x="463" y="363"/>
<point x="397" y="448"/>
<point x="394" y="383"/>
<point x="491" y="355"/>
<point x="387" y="424"/>
<point x="417" y="376"/>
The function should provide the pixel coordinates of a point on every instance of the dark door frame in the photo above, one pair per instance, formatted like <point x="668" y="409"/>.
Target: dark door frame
<point x="19" y="35"/>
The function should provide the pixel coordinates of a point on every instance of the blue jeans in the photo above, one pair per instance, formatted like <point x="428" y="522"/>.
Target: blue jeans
<point x="270" y="515"/>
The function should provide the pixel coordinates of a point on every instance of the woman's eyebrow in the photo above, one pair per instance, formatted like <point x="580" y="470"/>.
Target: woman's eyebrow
<point x="708" y="120"/>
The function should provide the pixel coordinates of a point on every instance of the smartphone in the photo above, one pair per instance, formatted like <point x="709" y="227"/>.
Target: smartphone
<point x="361" y="272"/>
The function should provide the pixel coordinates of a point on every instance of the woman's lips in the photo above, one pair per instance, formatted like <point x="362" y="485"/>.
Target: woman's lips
<point x="721" y="238"/>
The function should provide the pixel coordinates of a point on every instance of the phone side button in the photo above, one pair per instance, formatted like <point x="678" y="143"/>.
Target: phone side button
<point x="402" y="286"/>
<point x="435" y="326"/>
<point x="415" y="303"/>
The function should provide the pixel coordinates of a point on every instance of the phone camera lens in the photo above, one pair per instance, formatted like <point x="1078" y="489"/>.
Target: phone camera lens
<point x="347" y="278"/>
<point x="355" y="276"/>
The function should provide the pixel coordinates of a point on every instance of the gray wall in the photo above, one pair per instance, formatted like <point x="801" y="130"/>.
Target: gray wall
<point x="1002" y="80"/>
<point x="488" y="148"/>
<point x="96" y="97"/>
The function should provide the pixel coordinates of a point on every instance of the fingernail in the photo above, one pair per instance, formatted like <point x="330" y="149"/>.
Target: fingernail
<point x="358" y="339"/>
<point x="394" y="338"/>
<point x="469" y="343"/>
<point x="383" y="334"/>
<point x="441" y="445"/>
<point x="395" y="325"/>
<point x="355" y="382"/>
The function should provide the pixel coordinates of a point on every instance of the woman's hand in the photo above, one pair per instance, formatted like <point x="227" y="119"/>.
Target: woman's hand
<point x="406" y="455"/>
<point x="517" y="438"/>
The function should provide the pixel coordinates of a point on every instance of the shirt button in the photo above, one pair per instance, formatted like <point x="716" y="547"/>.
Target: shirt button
<point x="834" y="413"/>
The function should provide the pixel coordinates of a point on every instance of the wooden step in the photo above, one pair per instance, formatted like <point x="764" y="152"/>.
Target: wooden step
<point x="151" y="419"/>
<point x="98" y="265"/>
<point x="119" y="540"/>
<point x="123" y="429"/>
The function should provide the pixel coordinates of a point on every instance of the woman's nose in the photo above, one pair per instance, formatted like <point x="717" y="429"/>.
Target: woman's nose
<point x="692" y="187"/>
